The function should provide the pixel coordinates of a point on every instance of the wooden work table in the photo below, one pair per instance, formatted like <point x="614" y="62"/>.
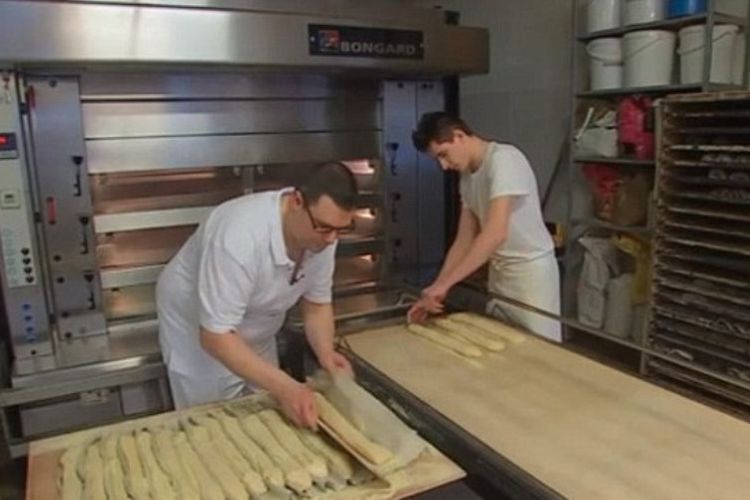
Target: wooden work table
<point x="583" y="429"/>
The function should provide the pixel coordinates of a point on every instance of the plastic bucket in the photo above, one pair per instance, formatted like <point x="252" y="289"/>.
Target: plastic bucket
<point x="605" y="63"/>
<point x="692" y="49"/>
<point x="602" y="14"/>
<point x="679" y="8"/>
<point x="736" y="8"/>
<point x="648" y="58"/>
<point x="642" y="11"/>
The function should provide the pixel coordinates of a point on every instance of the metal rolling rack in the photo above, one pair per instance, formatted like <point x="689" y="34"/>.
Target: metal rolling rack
<point x="701" y="277"/>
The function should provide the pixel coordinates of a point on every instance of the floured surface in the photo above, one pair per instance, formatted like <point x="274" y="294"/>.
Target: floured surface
<point x="429" y="470"/>
<point x="581" y="428"/>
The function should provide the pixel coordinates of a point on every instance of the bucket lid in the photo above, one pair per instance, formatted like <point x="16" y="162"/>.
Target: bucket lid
<point x="606" y="42"/>
<point x="697" y="28"/>
<point x="649" y="34"/>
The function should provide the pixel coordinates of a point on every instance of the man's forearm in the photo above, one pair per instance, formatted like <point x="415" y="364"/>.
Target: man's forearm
<point x="234" y="353"/>
<point x="477" y="255"/>
<point x="455" y="255"/>
<point x="319" y="328"/>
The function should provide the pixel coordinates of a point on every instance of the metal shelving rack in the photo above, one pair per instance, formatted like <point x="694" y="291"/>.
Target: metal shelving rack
<point x="580" y="218"/>
<point x="700" y="306"/>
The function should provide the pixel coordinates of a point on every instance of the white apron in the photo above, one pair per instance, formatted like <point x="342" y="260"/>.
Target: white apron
<point x="195" y="377"/>
<point x="536" y="283"/>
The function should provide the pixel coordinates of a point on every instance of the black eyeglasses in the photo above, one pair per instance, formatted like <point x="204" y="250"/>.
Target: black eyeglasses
<point x="323" y="228"/>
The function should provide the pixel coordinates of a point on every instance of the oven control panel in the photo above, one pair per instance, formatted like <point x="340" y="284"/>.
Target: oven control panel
<point x="15" y="224"/>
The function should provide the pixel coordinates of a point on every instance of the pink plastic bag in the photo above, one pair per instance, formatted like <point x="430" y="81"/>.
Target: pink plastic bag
<point x="604" y="181"/>
<point x="633" y="133"/>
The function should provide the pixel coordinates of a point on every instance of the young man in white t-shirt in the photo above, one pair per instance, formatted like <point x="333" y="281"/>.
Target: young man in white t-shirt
<point x="500" y="222"/>
<point x="224" y="296"/>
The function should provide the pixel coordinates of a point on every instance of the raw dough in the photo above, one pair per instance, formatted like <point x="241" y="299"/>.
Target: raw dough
<point x="286" y="436"/>
<point x="114" y="478"/>
<point x="460" y="346"/>
<point x="249" y="477"/>
<point x="296" y="477"/>
<point x="93" y="477"/>
<point x="212" y="460"/>
<point x="161" y="487"/>
<point x="70" y="484"/>
<point x="489" y="325"/>
<point x="209" y="488"/>
<point x="185" y="483"/>
<point x="339" y="462"/>
<point x="256" y="457"/>
<point x="371" y="451"/>
<point x="136" y="482"/>
<point x="470" y="334"/>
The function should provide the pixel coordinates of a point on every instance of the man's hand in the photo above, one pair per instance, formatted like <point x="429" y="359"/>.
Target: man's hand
<point x="336" y="363"/>
<point x="417" y="313"/>
<point x="433" y="297"/>
<point x="297" y="401"/>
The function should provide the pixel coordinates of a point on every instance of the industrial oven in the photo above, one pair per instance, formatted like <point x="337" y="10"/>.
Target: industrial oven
<point x="122" y="125"/>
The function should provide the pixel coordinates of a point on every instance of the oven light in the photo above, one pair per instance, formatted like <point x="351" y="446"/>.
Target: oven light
<point x="365" y="213"/>
<point x="359" y="167"/>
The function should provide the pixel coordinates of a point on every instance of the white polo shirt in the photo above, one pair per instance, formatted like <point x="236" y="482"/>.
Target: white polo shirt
<point x="234" y="273"/>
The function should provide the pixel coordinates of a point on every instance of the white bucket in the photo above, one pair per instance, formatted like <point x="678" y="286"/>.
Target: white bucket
<point x="643" y="11"/>
<point x="649" y="58"/>
<point x="602" y="14"/>
<point x="737" y="8"/>
<point x="692" y="49"/>
<point x="738" y="56"/>
<point x="605" y="63"/>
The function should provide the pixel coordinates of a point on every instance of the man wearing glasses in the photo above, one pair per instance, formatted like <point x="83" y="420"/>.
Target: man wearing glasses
<point x="223" y="297"/>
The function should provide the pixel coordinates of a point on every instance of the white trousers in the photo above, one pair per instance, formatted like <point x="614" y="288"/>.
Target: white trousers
<point x="536" y="283"/>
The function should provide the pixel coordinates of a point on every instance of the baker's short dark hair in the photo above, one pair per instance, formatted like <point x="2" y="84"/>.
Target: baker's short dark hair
<point x="332" y="179"/>
<point x="437" y="126"/>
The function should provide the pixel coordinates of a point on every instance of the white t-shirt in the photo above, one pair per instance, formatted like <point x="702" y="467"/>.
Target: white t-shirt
<point x="234" y="273"/>
<point x="505" y="171"/>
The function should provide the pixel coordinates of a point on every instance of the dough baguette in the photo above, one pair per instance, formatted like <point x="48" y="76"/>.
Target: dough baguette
<point x="460" y="346"/>
<point x="371" y="451"/>
<point x="71" y="487"/>
<point x="136" y="482"/>
<point x="339" y="462"/>
<point x="488" y="325"/>
<point x="295" y="475"/>
<point x="256" y="457"/>
<point x="249" y="477"/>
<point x="93" y="478"/>
<point x="114" y="478"/>
<point x="287" y="437"/>
<point x="209" y="488"/>
<point x="469" y="334"/>
<point x="185" y="483"/>
<point x="161" y="486"/>
<point x="214" y="463"/>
